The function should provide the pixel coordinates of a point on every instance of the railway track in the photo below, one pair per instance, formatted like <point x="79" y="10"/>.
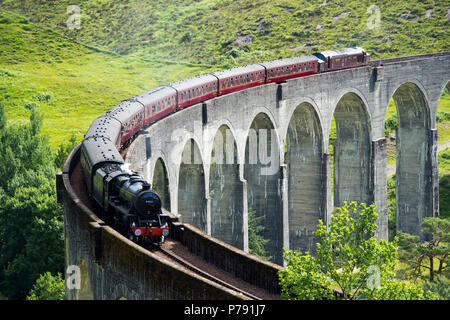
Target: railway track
<point x="184" y="263"/>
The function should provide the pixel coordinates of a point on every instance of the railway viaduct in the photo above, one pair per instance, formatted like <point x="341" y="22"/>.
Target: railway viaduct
<point x="265" y="151"/>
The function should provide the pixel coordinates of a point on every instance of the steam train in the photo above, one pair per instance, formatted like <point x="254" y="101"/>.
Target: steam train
<point x="125" y="199"/>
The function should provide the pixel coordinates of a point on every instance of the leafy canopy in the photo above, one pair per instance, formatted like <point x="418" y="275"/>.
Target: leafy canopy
<point x="350" y="262"/>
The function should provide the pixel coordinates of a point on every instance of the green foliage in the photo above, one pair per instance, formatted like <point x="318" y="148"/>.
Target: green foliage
<point x="208" y="31"/>
<point x="390" y="124"/>
<point x="392" y="207"/>
<point x="444" y="183"/>
<point x="439" y="287"/>
<point x="63" y="151"/>
<point x="256" y="242"/>
<point x="303" y="279"/>
<point x="420" y="256"/>
<point x="47" y="287"/>
<point x="31" y="222"/>
<point x="401" y="290"/>
<point x="350" y="258"/>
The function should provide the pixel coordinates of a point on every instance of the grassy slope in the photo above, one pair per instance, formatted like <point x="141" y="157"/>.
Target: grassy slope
<point x="71" y="83"/>
<point x="205" y="31"/>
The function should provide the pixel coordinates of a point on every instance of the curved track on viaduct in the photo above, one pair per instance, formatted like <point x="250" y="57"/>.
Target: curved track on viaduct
<point x="264" y="150"/>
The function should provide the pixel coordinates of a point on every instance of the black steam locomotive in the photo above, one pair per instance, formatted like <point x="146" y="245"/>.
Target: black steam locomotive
<point x="125" y="200"/>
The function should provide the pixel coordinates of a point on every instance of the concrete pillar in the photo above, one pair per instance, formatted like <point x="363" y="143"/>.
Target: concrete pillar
<point x="160" y="183"/>
<point x="379" y="178"/>
<point x="191" y="187"/>
<point x="225" y="190"/>
<point x="352" y="152"/>
<point x="414" y="167"/>
<point x="305" y="176"/>
<point x="262" y="173"/>
<point x="326" y="188"/>
<point x="434" y="163"/>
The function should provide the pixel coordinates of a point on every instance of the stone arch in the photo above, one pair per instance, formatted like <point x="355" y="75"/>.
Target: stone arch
<point x="226" y="189"/>
<point x="84" y="292"/>
<point x="262" y="173"/>
<point x="160" y="182"/>
<point x="191" y="187"/>
<point x="306" y="192"/>
<point x="352" y="150"/>
<point x="413" y="164"/>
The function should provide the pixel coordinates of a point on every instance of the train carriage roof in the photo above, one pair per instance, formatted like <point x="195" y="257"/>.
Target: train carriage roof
<point x="100" y="149"/>
<point x="288" y="61"/>
<point x="342" y="52"/>
<point x="125" y="110"/>
<point x="154" y="95"/>
<point x="104" y="126"/>
<point x="223" y="74"/>
<point x="193" y="82"/>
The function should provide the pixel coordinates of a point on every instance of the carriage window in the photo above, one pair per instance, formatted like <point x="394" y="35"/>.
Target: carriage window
<point x="287" y="70"/>
<point x="248" y="78"/>
<point x="159" y="106"/>
<point x="251" y="77"/>
<point x="271" y="73"/>
<point x="232" y="82"/>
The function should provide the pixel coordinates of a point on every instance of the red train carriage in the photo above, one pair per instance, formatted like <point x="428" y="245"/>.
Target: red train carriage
<point x="240" y="78"/>
<point x="339" y="59"/>
<point x="284" y="69"/>
<point x="195" y="90"/>
<point x="130" y="113"/>
<point x="158" y="103"/>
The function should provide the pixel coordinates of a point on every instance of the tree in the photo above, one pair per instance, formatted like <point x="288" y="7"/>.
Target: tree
<point x="31" y="220"/>
<point x="421" y="256"/>
<point x="48" y="287"/>
<point x="63" y="151"/>
<point x="349" y="260"/>
<point x="256" y="241"/>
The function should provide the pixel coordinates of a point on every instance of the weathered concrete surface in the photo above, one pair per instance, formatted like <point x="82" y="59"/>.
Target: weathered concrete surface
<point x="358" y="98"/>
<point x="161" y="183"/>
<point x="192" y="186"/>
<point x="225" y="190"/>
<point x="306" y="176"/>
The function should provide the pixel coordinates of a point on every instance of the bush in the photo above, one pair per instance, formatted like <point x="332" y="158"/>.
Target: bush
<point x="48" y="287"/>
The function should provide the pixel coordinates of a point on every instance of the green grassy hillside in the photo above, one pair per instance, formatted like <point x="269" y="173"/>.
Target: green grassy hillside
<point x="239" y="31"/>
<point x="71" y="84"/>
<point x="123" y="48"/>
